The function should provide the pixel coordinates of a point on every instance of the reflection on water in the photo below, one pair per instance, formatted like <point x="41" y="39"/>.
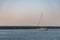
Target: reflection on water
<point x="30" y="34"/>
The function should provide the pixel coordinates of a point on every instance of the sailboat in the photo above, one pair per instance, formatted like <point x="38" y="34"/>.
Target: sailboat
<point x="40" y="23"/>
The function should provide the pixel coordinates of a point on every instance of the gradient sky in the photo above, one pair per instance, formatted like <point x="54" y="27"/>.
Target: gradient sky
<point x="28" y="12"/>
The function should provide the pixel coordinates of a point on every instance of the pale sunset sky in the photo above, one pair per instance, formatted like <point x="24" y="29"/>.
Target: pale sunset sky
<point x="28" y="12"/>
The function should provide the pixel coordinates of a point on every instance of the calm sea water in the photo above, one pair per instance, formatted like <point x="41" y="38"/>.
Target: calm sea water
<point x="30" y="34"/>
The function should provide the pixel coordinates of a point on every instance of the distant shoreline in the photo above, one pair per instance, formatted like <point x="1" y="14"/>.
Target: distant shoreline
<point x="29" y="27"/>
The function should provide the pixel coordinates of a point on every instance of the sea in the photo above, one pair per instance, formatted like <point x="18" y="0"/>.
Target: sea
<point x="29" y="34"/>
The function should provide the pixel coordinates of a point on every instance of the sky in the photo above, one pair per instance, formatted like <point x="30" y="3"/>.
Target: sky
<point x="28" y="12"/>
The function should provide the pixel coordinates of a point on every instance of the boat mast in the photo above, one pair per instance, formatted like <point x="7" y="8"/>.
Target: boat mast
<point x="40" y="19"/>
<point x="40" y="22"/>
